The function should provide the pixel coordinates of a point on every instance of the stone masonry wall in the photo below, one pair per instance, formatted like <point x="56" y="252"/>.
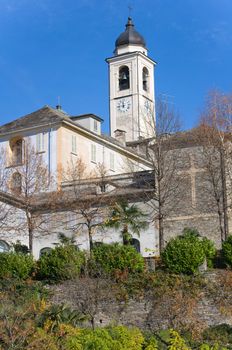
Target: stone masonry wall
<point x="194" y="204"/>
<point x="148" y="312"/>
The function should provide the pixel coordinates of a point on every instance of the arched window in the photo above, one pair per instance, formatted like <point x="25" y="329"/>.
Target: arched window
<point x="4" y="247"/>
<point x="136" y="244"/>
<point x="16" y="183"/>
<point x="16" y="151"/>
<point x="124" y="78"/>
<point x="145" y="79"/>
<point x="45" y="250"/>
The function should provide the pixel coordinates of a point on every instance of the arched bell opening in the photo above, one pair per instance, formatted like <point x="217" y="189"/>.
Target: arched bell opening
<point x="145" y="79"/>
<point x="124" y="78"/>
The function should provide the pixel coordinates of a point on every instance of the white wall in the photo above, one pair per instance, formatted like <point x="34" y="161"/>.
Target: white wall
<point x="130" y="48"/>
<point x="60" y="223"/>
<point x="50" y="145"/>
<point x="121" y="161"/>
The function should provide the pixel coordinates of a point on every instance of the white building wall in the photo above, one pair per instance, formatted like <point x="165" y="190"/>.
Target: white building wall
<point x="130" y="48"/>
<point x="50" y="145"/>
<point x="57" y="223"/>
<point x="89" y="123"/>
<point x="122" y="163"/>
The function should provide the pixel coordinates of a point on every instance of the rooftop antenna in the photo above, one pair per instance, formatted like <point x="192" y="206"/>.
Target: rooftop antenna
<point x="168" y="99"/>
<point x="58" y="106"/>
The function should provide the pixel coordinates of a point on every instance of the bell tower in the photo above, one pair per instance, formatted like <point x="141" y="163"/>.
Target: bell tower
<point x="131" y="80"/>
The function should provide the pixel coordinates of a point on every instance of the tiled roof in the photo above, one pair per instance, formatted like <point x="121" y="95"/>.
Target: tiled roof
<point x="47" y="115"/>
<point x="42" y="116"/>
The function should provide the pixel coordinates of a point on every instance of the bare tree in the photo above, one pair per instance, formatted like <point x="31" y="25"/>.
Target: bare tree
<point x="7" y="201"/>
<point x="3" y="208"/>
<point x="83" y="196"/>
<point x="91" y="296"/>
<point x="32" y="184"/>
<point x="164" y="163"/>
<point x="214" y="135"/>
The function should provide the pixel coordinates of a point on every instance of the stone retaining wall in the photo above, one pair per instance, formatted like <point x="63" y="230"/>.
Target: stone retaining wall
<point x="146" y="312"/>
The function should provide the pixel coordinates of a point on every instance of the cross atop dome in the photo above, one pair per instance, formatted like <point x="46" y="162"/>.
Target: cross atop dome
<point x="131" y="39"/>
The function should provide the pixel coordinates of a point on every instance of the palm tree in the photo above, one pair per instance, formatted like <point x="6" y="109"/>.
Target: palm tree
<point x="127" y="218"/>
<point x="58" y="314"/>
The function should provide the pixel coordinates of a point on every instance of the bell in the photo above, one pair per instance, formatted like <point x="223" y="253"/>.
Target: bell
<point x="123" y="76"/>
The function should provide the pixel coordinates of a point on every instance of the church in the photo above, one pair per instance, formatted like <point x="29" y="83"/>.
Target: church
<point x="61" y="139"/>
<point x="116" y="165"/>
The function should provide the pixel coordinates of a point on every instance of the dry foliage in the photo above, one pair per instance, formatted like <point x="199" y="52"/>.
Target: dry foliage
<point x="176" y="298"/>
<point x="28" y="193"/>
<point x="36" y="190"/>
<point x="214" y="135"/>
<point x="7" y="212"/>
<point x="87" y="295"/>
<point x="166" y="182"/>
<point x="84" y="196"/>
<point x="220" y="291"/>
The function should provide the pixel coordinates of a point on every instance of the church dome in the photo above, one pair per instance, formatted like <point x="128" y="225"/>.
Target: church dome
<point x="130" y="36"/>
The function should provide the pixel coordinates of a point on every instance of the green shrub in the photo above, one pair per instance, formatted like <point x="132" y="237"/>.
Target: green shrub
<point x="98" y="339"/>
<point x="16" y="265"/>
<point x="185" y="253"/>
<point x="117" y="257"/>
<point x="109" y="338"/>
<point x="221" y="333"/>
<point x="176" y="342"/>
<point x="61" y="263"/>
<point x="41" y="340"/>
<point x="127" y="338"/>
<point x="20" y="248"/>
<point x="151" y="344"/>
<point x="227" y="251"/>
<point x="210" y="250"/>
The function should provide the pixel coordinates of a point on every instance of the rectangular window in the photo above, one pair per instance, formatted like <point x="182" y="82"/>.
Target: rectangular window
<point x="95" y="125"/>
<point x="16" y="152"/>
<point x="112" y="162"/>
<point x="74" y="144"/>
<point x="40" y="142"/>
<point x="93" y="153"/>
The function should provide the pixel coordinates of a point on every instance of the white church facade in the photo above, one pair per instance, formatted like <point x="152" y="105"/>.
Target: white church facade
<point x="60" y="140"/>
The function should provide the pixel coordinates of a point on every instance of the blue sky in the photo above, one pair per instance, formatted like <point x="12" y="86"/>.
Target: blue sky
<point x="58" y="48"/>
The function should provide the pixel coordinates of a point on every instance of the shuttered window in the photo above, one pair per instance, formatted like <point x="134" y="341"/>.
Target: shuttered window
<point x="93" y="153"/>
<point x="112" y="165"/>
<point x="74" y="144"/>
<point x="40" y="146"/>
<point x="95" y="126"/>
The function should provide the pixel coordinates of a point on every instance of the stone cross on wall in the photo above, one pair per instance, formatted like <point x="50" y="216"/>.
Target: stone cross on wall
<point x="192" y="172"/>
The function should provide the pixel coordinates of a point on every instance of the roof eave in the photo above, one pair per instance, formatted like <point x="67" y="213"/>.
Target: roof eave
<point x="123" y="55"/>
